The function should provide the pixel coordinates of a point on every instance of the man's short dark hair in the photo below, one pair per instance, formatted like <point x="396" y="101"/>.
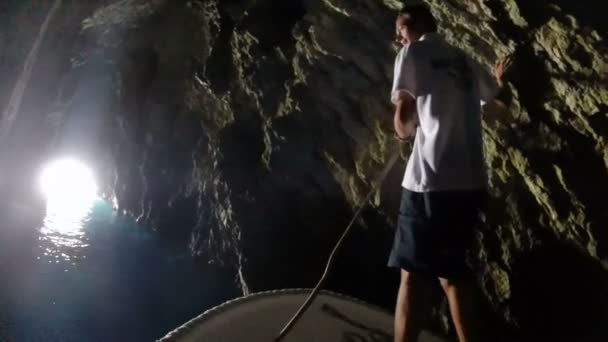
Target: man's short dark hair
<point x="418" y="18"/>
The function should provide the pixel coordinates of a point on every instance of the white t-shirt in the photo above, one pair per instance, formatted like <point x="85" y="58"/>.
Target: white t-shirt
<point x="448" y="86"/>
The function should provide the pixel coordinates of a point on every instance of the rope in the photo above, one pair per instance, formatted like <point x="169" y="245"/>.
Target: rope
<point x="296" y="317"/>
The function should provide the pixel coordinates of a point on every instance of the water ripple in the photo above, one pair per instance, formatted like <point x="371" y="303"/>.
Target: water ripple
<point x="62" y="235"/>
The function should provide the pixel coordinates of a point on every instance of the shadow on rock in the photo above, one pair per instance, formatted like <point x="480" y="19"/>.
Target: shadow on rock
<point x="560" y="294"/>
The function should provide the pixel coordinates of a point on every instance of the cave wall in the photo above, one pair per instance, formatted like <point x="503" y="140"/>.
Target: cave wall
<point x="249" y="131"/>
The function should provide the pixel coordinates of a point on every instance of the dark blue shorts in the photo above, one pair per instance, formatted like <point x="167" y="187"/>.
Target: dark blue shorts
<point x="435" y="230"/>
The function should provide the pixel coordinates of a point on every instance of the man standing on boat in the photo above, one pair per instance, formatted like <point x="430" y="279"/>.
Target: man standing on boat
<point x="437" y="91"/>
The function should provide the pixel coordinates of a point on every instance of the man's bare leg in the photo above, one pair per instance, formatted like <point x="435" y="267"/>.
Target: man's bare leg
<point x="464" y="308"/>
<point x="412" y="306"/>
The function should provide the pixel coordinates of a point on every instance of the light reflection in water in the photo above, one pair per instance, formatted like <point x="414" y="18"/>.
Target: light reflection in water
<point x="71" y="192"/>
<point x="62" y="237"/>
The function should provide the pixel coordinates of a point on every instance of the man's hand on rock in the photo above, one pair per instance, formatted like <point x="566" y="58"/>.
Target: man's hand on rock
<point x="500" y="68"/>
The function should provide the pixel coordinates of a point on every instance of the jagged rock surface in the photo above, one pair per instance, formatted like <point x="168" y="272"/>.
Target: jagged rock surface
<point x="251" y="130"/>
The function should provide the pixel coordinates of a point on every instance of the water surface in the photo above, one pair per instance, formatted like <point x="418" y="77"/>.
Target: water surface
<point x="97" y="276"/>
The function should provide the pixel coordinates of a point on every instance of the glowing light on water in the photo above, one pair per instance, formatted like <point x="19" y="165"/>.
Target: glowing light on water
<point x="70" y="191"/>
